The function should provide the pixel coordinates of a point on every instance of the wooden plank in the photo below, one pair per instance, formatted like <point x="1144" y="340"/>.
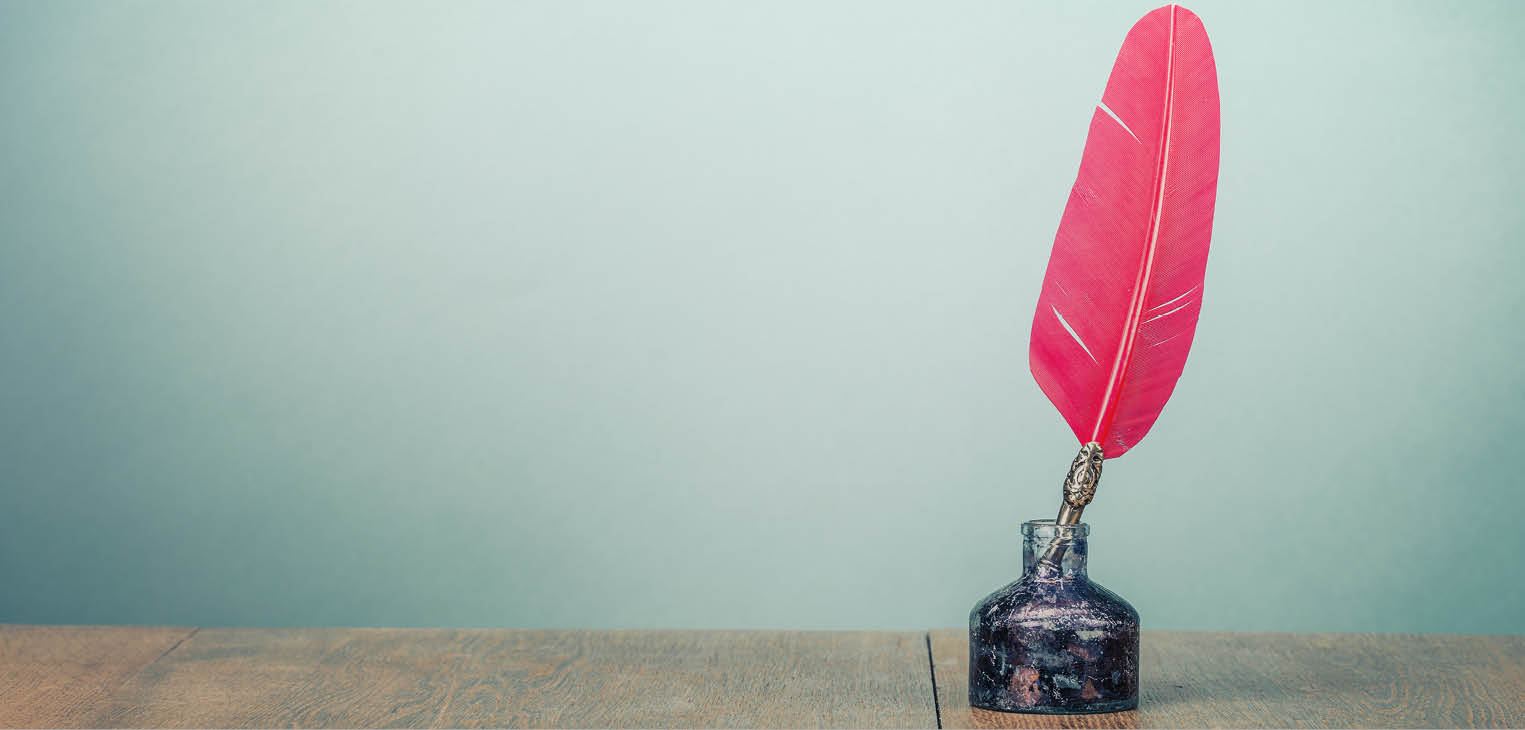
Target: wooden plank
<point x="1192" y="679"/>
<point x="475" y="678"/>
<point x="56" y="676"/>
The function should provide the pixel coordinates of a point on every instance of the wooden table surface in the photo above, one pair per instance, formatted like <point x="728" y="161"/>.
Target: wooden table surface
<point x="72" y="676"/>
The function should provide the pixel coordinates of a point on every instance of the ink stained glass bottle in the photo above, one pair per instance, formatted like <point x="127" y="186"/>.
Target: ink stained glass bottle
<point x="1053" y="641"/>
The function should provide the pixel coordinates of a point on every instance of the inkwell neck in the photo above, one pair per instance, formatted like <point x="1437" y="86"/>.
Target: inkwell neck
<point x="1039" y="535"/>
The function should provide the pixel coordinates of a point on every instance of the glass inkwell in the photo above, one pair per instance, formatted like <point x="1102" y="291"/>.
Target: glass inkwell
<point x="1054" y="642"/>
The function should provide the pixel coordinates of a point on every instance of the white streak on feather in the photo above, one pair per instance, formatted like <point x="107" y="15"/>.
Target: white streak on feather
<point x="1103" y="106"/>
<point x="1173" y="301"/>
<point x="1071" y="330"/>
<point x="1167" y="314"/>
<point x="1167" y="339"/>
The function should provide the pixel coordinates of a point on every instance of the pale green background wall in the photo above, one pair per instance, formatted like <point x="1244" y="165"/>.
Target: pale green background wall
<point x="715" y="315"/>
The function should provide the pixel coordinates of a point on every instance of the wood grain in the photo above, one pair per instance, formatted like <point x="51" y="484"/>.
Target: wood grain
<point x="478" y="678"/>
<point x="57" y="676"/>
<point x="165" y="677"/>
<point x="1192" y="679"/>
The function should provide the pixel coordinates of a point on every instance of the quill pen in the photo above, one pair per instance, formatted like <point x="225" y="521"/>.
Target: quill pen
<point x="1123" y="287"/>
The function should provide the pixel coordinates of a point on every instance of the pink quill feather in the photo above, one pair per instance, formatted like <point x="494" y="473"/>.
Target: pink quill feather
<point x="1122" y="292"/>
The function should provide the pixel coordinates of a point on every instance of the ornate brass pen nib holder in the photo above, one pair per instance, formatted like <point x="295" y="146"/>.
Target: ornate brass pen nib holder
<point x="1079" y="488"/>
<point x="1080" y="483"/>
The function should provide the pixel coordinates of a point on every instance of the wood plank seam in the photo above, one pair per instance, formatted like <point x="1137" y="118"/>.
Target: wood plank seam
<point x="173" y="647"/>
<point x="54" y="676"/>
<point x="937" y="708"/>
<point x="134" y="675"/>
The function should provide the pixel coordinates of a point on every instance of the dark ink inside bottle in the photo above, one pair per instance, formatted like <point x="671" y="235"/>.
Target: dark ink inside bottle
<point x="1053" y="642"/>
